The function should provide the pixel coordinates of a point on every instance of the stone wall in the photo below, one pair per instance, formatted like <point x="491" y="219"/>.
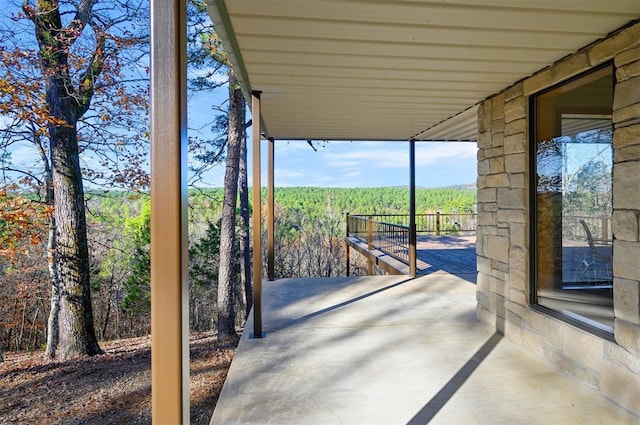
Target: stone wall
<point x="503" y="287"/>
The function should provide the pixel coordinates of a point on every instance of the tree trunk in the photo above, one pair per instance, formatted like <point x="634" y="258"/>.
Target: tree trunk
<point x="245" y="247"/>
<point x="52" y="323"/>
<point x="76" y="335"/>
<point x="226" y="278"/>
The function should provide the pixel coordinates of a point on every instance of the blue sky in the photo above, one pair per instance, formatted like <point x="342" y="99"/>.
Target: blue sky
<point x="372" y="164"/>
<point x="350" y="164"/>
<point x="363" y="164"/>
<point x="339" y="163"/>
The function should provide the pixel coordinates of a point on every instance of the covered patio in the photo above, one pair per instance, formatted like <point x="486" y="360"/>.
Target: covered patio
<point x="398" y="349"/>
<point x="393" y="350"/>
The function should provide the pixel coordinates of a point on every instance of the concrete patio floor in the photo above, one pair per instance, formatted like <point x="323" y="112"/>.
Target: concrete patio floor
<point x="393" y="350"/>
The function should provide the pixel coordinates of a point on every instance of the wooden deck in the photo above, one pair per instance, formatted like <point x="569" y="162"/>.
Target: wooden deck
<point x="449" y="253"/>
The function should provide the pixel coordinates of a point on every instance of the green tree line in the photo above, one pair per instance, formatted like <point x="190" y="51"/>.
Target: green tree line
<point x="309" y="230"/>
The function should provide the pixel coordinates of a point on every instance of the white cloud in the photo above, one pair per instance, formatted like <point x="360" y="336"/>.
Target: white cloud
<point x="433" y="153"/>
<point x="371" y="164"/>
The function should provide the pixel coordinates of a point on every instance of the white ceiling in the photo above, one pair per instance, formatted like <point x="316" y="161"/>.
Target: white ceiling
<point x="394" y="70"/>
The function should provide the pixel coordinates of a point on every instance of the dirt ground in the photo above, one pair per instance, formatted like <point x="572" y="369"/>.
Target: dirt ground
<point x="114" y="388"/>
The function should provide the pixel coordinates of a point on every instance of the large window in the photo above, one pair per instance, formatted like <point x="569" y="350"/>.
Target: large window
<point x="572" y="158"/>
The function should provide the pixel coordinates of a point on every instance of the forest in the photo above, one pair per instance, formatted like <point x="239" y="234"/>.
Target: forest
<point x="310" y="225"/>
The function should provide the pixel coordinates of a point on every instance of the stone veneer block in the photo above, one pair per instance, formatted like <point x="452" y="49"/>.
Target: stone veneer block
<point x="498" y="248"/>
<point x="626" y="261"/>
<point x="485" y="218"/>
<point x="628" y="71"/>
<point x="509" y="216"/>
<point x="516" y="163"/>
<point x="626" y="141"/>
<point x="518" y="232"/>
<point x="518" y="181"/>
<point x="537" y="82"/>
<point x="483" y="167"/>
<point x="483" y="282"/>
<point x="484" y="265"/>
<point x="514" y="109"/>
<point x="625" y="225"/>
<point x="484" y="116"/>
<point x="496" y="165"/>
<point x="493" y="152"/>
<point x="626" y="193"/>
<point x="485" y="316"/>
<point x="619" y="385"/>
<point x="482" y="298"/>
<point x="617" y="354"/>
<point x="583" y="347"/>
<point x="518" y="295"/>
<point x="513" y="91"/>
<point x="484" y="140"/>
<point x="553" y="331"/>
<point x="515" y="127"/>
<point x="628" y="335"/>
<point x="497" y="180"/>
<point x="573" y="368"/>
<point x="515" y="143"/>
<point x="518" y="309"/>
<point x="497" y="111"/>
<point x="532" y="341"/>
<point x="498" y="287"/>
<point x="489" y="207"/>
<point x="628" y="113"/>
<point x="536" y="321"/>
<point x="626" y="299"/>
<point x="627" y="153"/>
<point x="510" y="198"/>
<point x="627" y="136"/>
<point x="498" y="136"/>
<point x="626" y="93"/>
<point x="512" y="328"/>
<point x="487" y="195"/>
<point x="606" y="49"/>
<point x="569" y="67"/>
<point x="627" y="56"/>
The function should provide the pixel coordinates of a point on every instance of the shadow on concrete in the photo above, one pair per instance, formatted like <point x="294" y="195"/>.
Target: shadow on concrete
<point x="325" y="310"/>
<point x="431" y="409"/>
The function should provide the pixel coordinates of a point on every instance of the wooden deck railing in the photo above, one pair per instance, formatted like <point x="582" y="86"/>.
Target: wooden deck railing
<point x="389" y="233"/>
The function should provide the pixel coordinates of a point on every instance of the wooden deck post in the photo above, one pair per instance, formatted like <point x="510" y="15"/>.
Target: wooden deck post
<point x="256" y="218"/>
<point x="169" y="243"/>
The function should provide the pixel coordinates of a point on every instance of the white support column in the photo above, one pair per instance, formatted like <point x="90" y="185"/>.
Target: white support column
<point x="256" y="218"/>
<point x="169" y="268"/>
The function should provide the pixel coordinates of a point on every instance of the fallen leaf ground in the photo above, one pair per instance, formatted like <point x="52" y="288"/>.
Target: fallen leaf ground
<point x="114" y="388"/>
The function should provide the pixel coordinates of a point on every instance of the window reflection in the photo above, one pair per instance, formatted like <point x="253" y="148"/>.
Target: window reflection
<point x="574" y="163"/>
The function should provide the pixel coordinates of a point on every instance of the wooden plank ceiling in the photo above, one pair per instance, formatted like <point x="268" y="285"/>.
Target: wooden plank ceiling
<point x="395" y="70"/>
